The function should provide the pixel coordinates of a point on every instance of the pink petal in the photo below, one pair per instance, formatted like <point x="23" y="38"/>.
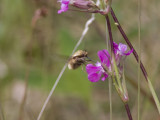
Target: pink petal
<point x="60" y="11"/>
<point x="95" y="77"/>
<point x="104" y="77"/>
<point x="129" y="52"/>
<point x="92" y="69"/>
<point x="64" y="6"/>
<point x="104" y="57"/>
<point x="122" y="48"/>
<point x="115" y="46"/>
<point x="65" y="2"/>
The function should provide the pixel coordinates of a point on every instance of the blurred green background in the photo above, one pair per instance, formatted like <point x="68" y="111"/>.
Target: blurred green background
<point x="35" y="43"/>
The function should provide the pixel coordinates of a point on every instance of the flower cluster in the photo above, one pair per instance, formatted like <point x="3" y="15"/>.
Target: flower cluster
<point x="102" y="69"/>
<point x="89" y="6"/>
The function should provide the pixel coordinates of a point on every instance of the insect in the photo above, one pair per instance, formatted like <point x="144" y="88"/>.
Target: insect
<point x="77" y="59"/>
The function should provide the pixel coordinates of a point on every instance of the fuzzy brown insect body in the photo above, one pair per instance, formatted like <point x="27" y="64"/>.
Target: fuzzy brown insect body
<point x="77" y="59"/>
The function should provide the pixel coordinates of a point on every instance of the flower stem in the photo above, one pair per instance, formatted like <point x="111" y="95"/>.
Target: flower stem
<point x="125" y="103"/>
<point x="129" y="44"/>
<point x="65" y="66"/>
<point x="139" y="65"/>
<point x="110" y="97"/>
<point x="112" y="51"/>
<point x="1" y="113"/>
<point x="128" y="111"/>
<point x="102" y="4"/>
<point x="137" y="58"/>
<point x="110" y="33"/>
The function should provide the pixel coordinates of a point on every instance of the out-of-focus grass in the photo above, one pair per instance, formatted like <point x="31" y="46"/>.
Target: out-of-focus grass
<point x="54" y="36"/>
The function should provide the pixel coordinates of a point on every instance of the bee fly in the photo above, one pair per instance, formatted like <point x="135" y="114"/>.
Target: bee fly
<point x="77" y="59"/>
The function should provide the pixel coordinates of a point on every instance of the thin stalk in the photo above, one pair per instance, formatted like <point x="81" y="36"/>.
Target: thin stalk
<point x="115" y="84"/>
<point x="131" y="81"/>
<point x="110" y="2"/>
<point x="107" y="37"/>
<point x="1" y="113"/>
<point x="110" y="97"/>
<point x="154" y="95"/>
<point x="117" y="75"/>
<point x="129" y="43"/>
<point x="139" y="65"/>
<point x="143" y="92"/>
<point x="119" y="83"/>
<point x="65" y="66"/>
<point x="110" y="33"/>
<point x="128" y="111"/>
<point x="112" y="49"/>
<point x="110" y="80"/>
<point x="125" y="103"/>
<point x="102" y="4"/>
<point x="124" y="84"/>
<point x="137" y="58"/>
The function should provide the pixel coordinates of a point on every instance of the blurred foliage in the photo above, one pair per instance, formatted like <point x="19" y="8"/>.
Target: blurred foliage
<point x="35" y="40"/>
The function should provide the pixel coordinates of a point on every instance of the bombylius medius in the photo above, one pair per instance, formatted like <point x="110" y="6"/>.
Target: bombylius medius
<point x="77" y="59"/>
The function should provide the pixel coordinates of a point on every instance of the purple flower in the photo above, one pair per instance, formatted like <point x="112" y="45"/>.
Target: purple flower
<point x="64" y="6"/>
<point x="87" y="5"/>
<point x="120" y="54"/>
<point x="98" y="71"/>
<point x="121" y="49"/>
<point x="102" y="69"/>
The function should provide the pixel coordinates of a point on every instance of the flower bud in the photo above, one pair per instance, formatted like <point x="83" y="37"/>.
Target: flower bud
<point x="88" y="6"/>
<point x="84" y="4"/>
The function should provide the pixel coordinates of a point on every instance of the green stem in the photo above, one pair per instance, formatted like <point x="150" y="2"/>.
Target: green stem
<point x="129" y="43"/>
<point x="117" y="75"/>
<point x="154" y="95"/>
<point x="110" y="80"/>
<point x="102" y="4"/>
<point x="1" y="113"/>
<point x="115" y="84"/>
<point x="124" y="84"/>
<point x="137" y="58"/>
<point x="139" y="62"/>
<point x="110" y="97"/>
<point x="112" y="52"/>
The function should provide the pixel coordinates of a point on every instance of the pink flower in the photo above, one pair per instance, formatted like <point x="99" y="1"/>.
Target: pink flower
<point x="97" y="71"/>
<point x="120" y="52"/>
<point x="64" y="6"/>
<point x="87" y="5"/>
<point x="121" y="49"/>
<point x="102" y="69"/>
